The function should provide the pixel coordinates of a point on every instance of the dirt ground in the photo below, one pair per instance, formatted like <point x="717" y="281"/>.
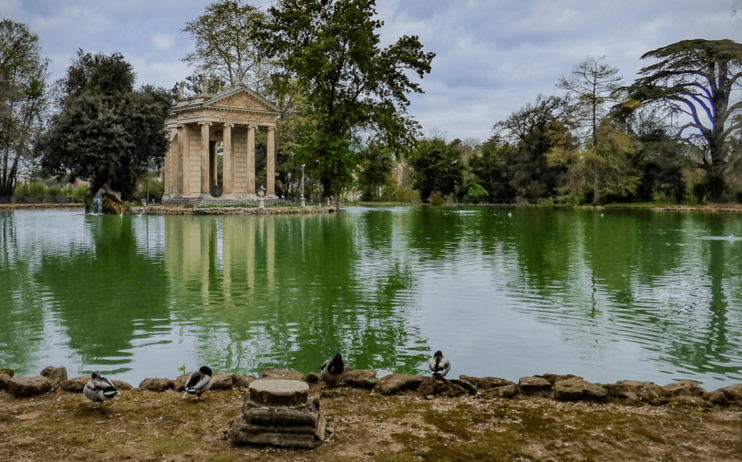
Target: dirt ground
<point x="147" y="426"/>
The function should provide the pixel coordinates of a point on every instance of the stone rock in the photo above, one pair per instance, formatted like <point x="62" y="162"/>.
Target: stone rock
<point x="535" y="386"/>
<point x="4" y="379"/>
<point x="243" y="381"/>
<point x="295" y="416"/>
<point x="718" y="398"/>
<point x="221" y="381"/>
<point x="121" y="385"/>
<point x="485" y="383"/>
<point x="180" y="382"/>
<point x="466" y="385"/>
<point x="8" y="372"/>
<point x="396" y="383"/>
<point x="577" y="389"/>
<point x="734" y="394"/>
<point x="312" y="378"/>
<point x="554" y="378"/>
<point x="272" y="392"/>
<point x="505" y="391"/>
<point x="684" y="388"/>
<point x="157" y="385"/>
<point x="74" y="385"/>
<point x="243" y="432"/>
<point x="365" y="379"/>
<point x="25" y="387"/>
<point x="56" y="375"/>
<point x="689" y="401"/>
<point x="441" y="387"/>
<point x="631" y="392"/>
<point x="281" y="374"/>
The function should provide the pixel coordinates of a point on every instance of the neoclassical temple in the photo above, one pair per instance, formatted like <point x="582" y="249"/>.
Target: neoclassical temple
<point x="197" y="125"/>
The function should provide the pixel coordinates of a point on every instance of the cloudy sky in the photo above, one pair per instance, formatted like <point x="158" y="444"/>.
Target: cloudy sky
<point x="492" y="57"/>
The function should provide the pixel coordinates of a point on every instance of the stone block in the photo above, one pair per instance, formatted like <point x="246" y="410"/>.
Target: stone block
<point x="4" y="379"/>
<point x="281" y="374"/>
<point x="505" y="391"/>
<point x="734" y="394"/>
<point x="221" y="381"/>
<point x="577" y="389"/>
<point x="397" y="383"/>
<point x="312" y="378"/>
<point x="271" y="392"/>
<point x="486" y="383"/>
<point x="365" y="379"/>
<point x="684" y="388"/>
<point x="305" y="415"/>
<point x="8" y="372"/>
<point x="157" y="385"/>
<point x="242" y="432"/>
<point x="535" y="386"/>
<point x="632" y="392"/>
<point x="553" y="378"/>
<point x="25" y="387"/>
<point x="243" y="381"/>
<point x="56" y="375"/>
<point x="466" y="385"/>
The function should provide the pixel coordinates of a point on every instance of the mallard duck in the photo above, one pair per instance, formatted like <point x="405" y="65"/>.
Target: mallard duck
<point x="99" y="389"/>
<point x="199" y="381"/>
<point x="331" y="371"/>
<point x="439" y="366"/>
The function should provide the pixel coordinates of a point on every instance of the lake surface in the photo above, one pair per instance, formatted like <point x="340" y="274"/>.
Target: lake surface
<point x="607" y="295"/>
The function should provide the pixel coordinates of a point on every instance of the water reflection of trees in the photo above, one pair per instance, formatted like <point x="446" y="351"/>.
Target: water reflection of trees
<point x="105" y="294"/>
<point x="288" y="292"/>
<point x="642" y="277"/>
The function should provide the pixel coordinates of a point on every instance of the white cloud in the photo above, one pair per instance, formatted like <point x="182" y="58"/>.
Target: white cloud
<point x="163" y="41"/>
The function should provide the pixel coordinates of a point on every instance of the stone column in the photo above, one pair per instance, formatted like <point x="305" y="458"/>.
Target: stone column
<point x="205" y="192"/>
<point x="270" y="182"/>
<point x="227" y="167"/>
<point x="184" y="154"/>
<point x="213" y="165"/>
<point x="251" y="160"/>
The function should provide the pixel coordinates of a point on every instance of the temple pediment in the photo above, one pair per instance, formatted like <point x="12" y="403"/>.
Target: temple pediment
<point x="240" y="98"/>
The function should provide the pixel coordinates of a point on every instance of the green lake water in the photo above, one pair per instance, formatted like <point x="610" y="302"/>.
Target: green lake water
<point x="607" y="295"/>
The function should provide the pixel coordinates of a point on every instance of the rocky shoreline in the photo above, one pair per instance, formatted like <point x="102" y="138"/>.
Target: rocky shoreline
<point x="564" y="388"/>
<point x="398" y="418"/>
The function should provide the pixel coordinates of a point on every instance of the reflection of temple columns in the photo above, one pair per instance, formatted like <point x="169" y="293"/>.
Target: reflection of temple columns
<point x="227" y="257"/>
<point x="251" y="159"/>
<point x="250" y="254"/>
<point x="270" y="249"/>
<point x="271" y="163"/>
<point x="227" y="164"/>
<point x="205" y="159"/>
<point x="205" y="259"/>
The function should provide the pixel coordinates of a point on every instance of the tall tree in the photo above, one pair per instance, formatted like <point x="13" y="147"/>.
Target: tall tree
<point x="603" y="168"/>
<point x="106" y="132"/>
<point x="225" y="44"/>
<point x="376" y="169"/>
<point x="696" y="78"/>
<point x="591" y="86"/>
<point x="437" y="167"/>
<point x="331" y="48"/>
<point x="491" y="170"/>
<point x="23" y="100"/>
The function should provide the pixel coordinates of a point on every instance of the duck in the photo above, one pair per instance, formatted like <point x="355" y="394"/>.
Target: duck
<point x="331" y="371"/>
<point x="99" y="389"/>
<point x="439" y="365"/>
<point x="199" y="381"/>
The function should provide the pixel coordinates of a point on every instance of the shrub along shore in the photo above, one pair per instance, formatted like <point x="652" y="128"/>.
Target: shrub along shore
<point x="399" y="417"/>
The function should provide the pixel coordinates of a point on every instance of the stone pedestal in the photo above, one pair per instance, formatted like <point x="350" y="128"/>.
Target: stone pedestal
<point x="278" y="413"/>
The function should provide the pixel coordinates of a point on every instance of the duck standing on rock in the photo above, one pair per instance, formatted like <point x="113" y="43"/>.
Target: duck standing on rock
<point x="99" y="389"/>
<point x="439" y="365"/>
<point x="331" y="371"/>
<point x="199" y="381"/>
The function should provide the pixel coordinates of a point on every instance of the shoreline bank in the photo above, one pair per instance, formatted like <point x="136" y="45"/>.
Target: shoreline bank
<point x="400" y="426"/>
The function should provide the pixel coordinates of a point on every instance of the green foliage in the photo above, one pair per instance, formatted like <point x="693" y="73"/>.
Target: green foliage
<point x="376" y="169"/>
<point x="225" y="44"/>
<point x="436" y="199"/>
<point x="490" y="169"/>
<point x="23" y="100"/>
<point x="39" y="188"/>
<point x="156" y="187"/>
<point x="476" y="191"/>
<point x="606" y="170"/>
<point x="106" y="132"/>
<point x="696" y="78"/>
<point x="330" y="49"/>
<point x="437" y="166"/>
